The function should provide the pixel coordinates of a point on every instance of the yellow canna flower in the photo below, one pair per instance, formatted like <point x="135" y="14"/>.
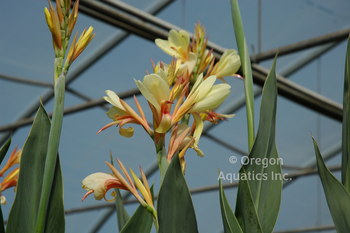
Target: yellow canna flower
<point x="228" y="64"/>
<point x="178" y="45"/>
<point x="203" y="97"/>
<point x="121" y="113"/>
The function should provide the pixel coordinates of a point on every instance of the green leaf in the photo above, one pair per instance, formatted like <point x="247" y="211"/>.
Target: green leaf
<point x="263" y="168"/>
<point x="3" y="152"/>
<point x="175" y="207"/>
<point x="247" y="215"/>
<point x="4" y="149"/>
<point x="229" y="220"/>
<point x="345" y="170"/>
<point x="246" y="68"/>
<point x="140" y="222"/>
<point x="337" y="196"/>
<point x="23" y="215"/>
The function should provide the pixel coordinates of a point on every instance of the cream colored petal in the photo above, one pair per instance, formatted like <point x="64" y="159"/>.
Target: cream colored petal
<point x="163" y="75"/>
<point x="229" y="66"/>
<point x="205" y="87"/>
<point x="148" y="95"/>
<point x="165" y="46"/>
<point x="157" y="87"/>
<point x="113" y="99"/>
<point x="113" y="111"/>
<point x="217" y="95"/>
<point x="227" y="115"/>
<point x="197" y="84"/>
<point x="199" y="127"/>
<point x="96" y="183"/>
<point x="185" y="36"/>
<point x="189" y="64"/>
<point x="128" y="133"/>
<point x="177" y="40"/>
<point x="165" y="124"/>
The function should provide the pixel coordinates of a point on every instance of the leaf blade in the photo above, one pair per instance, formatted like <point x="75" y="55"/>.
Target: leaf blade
<point x="175" y="208"/>
<point x="346" y="123"/>
<point x="338" y="198"/>
<point x="30" y="181"/>
<point x="140" y="222"/>
<point x="229" y="220"/>
<point x="266" y="189"/>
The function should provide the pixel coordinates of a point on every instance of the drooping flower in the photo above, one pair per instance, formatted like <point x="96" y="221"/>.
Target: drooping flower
<point x="121" y="113"/>
<point x="100" y="183"/>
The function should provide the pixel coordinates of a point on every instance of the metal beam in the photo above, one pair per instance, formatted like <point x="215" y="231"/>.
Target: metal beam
<point x="286" y="88"/>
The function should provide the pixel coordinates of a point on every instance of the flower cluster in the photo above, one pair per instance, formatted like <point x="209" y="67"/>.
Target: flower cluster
<point x="12" y="178"/>
<point x="176" y="91"/>
<point x="61" y="24"/>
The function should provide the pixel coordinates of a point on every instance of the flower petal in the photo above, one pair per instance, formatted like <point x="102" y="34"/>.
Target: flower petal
<point x="216" y="96"/>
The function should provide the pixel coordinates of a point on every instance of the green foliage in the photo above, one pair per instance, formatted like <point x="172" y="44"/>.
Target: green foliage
<point x="346" y="124"/>
<point x="229" y="220"/>
<point x="337" y="196"/>
<point x="140" y="222"/>
<point x="260" y="185"/>
<point x="246" y="68"/>
<point x="23" y="215"/>
<point x="122" y="215"/>
<point x="262" y="180"/>
<point x="175" y="208"/>
<point x="246" y="212"/>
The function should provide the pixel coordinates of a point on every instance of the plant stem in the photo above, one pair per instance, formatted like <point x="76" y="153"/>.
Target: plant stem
<point x="246" y="68"/>
<point x="52" y="150"/>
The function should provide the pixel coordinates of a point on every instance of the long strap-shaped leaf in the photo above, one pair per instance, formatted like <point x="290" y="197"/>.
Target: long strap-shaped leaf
<point x="345" y="172"/>
<point x="337" y="196"/>
<point x="263" y="168"/>
<point x="3" y="152"/>
<point x="175" y="207"/>
<point x="23" y="215"/>
<point x="229" y="220"/>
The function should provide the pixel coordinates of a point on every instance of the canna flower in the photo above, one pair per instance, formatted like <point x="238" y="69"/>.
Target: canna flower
<point x="203" y="97"/>
<point x="100" y="183"/>
<point x="121" y="113"/>
<point x="228" y="65"/>
<point x="178" y="45"/>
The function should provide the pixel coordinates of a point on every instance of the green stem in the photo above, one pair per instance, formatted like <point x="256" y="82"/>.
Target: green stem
<point x="52" y="150"/>
<point x="247" y="70"/>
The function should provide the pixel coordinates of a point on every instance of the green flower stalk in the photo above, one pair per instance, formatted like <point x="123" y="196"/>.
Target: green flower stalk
<point x="61" y="25"/>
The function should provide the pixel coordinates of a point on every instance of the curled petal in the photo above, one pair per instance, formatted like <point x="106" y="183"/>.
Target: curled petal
<point x="99" y="183"/>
